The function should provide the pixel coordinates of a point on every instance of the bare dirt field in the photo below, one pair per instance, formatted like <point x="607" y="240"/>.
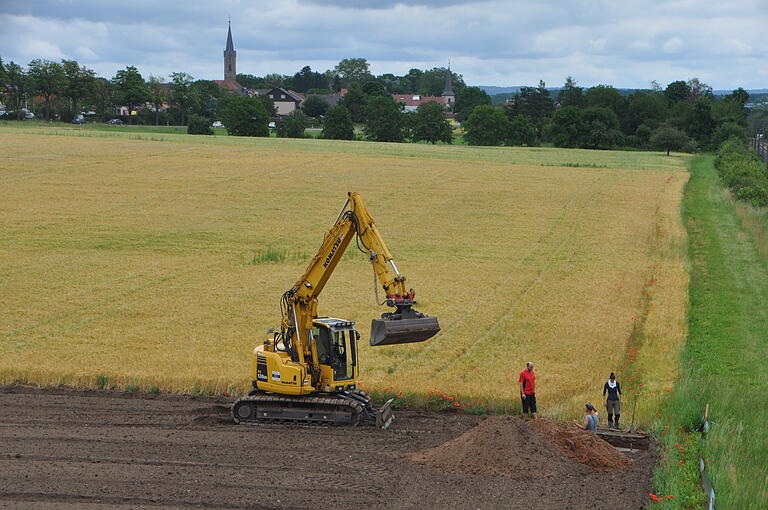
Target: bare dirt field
<point x="63" y="448"/>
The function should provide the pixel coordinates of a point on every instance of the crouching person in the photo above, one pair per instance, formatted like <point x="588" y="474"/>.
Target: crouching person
<point x="590" y="418"/>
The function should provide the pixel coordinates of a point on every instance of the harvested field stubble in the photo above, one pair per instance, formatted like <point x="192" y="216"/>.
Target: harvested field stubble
<point x="136" y="263"/>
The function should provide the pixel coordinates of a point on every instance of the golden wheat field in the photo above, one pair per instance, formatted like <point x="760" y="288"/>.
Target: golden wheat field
<point x="160" y="263"/>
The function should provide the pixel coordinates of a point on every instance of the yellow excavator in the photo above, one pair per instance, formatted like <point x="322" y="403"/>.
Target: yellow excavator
<point x="307" y="371"/>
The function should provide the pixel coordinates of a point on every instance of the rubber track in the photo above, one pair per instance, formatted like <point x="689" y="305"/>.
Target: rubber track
<point x="315" y="403"/>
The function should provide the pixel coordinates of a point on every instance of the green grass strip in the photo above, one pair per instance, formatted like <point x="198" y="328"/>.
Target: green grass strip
<point x="545" y="156"/>
<point x="725" y="361"/>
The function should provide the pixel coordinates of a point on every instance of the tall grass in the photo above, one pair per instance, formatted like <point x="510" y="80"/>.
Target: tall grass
<point x="724" y="359"/>
<point x="272" y="255"/>
<point x="161" y="265"/>
<point x="275" y="255"/>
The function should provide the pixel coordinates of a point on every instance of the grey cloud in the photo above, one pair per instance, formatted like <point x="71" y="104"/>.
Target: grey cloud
<point x="386" y="4"/>
<point x="493" y="42"/>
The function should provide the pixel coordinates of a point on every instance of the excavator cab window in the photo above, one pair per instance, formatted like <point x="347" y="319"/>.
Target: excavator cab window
<point x="337" y="349"/>
<point x="343" y="354"/>
<point x="322" y="343"/>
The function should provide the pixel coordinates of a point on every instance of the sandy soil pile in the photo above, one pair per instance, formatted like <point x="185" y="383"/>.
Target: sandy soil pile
<point x="581" y="445"/>
<point x="508" y="446"/>
<point x="499" y="445"/>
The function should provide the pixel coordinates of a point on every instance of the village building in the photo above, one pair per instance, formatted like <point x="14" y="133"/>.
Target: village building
<point x="286" y="101"/>
<point x="412" y="101"/>
<point x="331" y="99"/>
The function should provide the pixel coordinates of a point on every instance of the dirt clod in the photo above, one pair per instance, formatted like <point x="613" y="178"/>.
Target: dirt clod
<point x="581" y="445"/>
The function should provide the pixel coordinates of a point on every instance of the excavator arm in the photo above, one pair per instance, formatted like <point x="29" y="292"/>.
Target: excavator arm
<point x="354" y="223"/>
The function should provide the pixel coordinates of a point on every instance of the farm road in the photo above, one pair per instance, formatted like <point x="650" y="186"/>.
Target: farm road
<point x="95" y="449"/>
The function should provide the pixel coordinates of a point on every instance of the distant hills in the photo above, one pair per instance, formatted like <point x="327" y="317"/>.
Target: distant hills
<point x="501" y="93"/>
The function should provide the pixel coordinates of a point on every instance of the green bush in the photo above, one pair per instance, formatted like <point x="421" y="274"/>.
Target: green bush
<point x="429" y="124"/>
<point x="338" y="124"/>
<point x="486" y="126"/>
<point x="728" y="130"/>
<point x="293" y="125"/>
<point x="199" y="126"/>
<point x="669" y="139"/>
<point x="567" y="127"/>
<point x="244" y="116"/>
<point x="384" y="120"/>
<point x="521" y="131"/>
<point x="743" y="172"/>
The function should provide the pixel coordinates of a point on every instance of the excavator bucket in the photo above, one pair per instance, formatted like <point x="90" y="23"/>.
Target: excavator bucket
<point x="403" y="331"/>
<point x="384" y="416"/>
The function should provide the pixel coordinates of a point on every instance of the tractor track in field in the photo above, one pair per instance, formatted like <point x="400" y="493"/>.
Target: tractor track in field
<point x="65" y="448"/>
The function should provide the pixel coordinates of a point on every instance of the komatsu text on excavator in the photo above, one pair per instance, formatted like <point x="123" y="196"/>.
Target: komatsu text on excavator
<point x="307" y="371"/>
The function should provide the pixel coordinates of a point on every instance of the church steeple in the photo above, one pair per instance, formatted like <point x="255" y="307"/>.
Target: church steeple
<point x="448" y="93"/>
<point x="230" y="58"/>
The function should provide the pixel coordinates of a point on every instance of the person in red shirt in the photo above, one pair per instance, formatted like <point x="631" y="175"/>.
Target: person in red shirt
<point x="527" y="382"/>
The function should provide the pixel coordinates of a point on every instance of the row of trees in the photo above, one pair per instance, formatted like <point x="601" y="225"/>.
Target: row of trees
<point x="66" y="88"/>
<point x="683" y="115"/>
<point x="384" y="120"/>
<point x="356" y="70"/>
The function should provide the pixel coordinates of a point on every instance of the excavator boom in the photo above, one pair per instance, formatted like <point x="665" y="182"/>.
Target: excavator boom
<point x="354" y="222"/>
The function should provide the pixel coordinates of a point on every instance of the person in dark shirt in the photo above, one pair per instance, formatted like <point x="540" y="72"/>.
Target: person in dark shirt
<point x="612" y="389"/>
<point x="527" y="381"/>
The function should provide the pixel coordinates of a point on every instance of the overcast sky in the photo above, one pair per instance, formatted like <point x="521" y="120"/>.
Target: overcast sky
<point x="624" y="43"/>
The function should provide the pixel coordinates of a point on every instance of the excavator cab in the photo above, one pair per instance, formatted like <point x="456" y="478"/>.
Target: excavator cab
<point x="336" y="342"/>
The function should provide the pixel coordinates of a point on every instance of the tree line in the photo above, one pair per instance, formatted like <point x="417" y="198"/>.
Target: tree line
<point x="355" y="70"/>
<point x="66" y="88"/>
<point x="684" y="115"/>
<point x="382" y="119"/>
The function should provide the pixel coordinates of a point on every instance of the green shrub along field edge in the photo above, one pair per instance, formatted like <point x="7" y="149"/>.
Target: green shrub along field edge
<point x="724" y="360"/>
<point x="743" y="172"/>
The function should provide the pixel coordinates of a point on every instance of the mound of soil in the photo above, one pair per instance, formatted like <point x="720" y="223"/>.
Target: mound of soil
<point x="500" y="446"/>
<point x="581" y="445"/>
